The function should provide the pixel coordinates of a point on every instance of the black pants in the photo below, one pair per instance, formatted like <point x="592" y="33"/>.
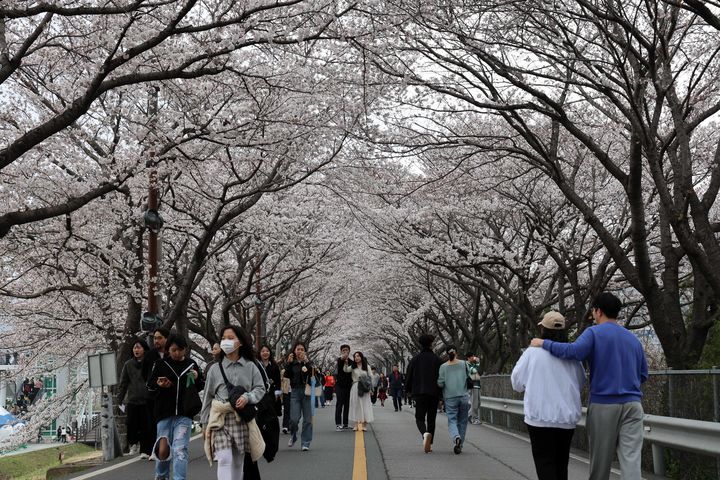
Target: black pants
<point x="286" y="410"/>
<point x="397" y="399"/>
<point x="342" y="407"/>
<point x="140" y="427"/>
<point x="425" y="412"/>
<point x="551" y="451"/>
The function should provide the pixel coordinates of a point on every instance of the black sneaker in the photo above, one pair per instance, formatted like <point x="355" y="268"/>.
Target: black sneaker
<point x="458" y="446"/>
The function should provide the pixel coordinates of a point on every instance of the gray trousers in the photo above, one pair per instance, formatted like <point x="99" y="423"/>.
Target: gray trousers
<point x="475" y="405"/>
<point x="615" y="428"/>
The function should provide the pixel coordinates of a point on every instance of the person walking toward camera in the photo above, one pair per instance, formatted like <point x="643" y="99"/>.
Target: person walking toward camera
<point x="140" y="427"/>
<point x="300" y="372"/>
<point x="360" y="393"/>
<point x="421" y="382"/>
<point x="175" y="382"/>
<point x="343" y="382"/>
<point x="396" y="381"/>
<point x="617" y="369"/>
<point x="233" y="385"/>
<point x="452" y="378"/>
<point x="552" y="400"/>
<point x="473" y="365"/>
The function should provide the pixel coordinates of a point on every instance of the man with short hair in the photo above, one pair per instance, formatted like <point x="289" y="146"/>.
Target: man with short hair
<point x="421" y="383"/>
<point x="395" y="383"/>
<point x="617" y="369"/>
<point x="343" y="383"/>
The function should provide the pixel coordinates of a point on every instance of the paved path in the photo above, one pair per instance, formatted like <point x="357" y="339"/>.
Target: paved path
<point x="392" y="448"/>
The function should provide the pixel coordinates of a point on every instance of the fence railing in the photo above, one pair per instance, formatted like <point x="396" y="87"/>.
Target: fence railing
<point x="683" y="434"/>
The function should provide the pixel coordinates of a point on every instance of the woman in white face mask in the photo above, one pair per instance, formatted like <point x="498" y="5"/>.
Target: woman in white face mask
<point x="227" y="436"/>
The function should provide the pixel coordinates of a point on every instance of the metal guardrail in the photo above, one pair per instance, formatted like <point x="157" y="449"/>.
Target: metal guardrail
<point x="678" y="433"/>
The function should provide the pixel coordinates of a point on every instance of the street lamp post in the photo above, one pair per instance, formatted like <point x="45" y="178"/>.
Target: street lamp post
<point x="258" y="310"/>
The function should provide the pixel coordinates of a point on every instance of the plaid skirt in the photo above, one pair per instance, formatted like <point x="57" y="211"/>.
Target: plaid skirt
<point x="234" y="434"/>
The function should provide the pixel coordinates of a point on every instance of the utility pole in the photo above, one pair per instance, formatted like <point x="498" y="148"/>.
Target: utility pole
<point x="258" y="309"/>
<point x="153" y="221"/>
<point x="153" y="240"/>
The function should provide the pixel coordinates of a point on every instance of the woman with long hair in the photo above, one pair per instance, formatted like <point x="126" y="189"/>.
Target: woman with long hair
<point x="360" y="404"/>
<point x="551" y="401"/>
<point x="453" y="380"/>
<point x="175" y="381"/>
<point x="300" y="372"/>
<point x="273" y="372"/>
<point x="140" y="426"/>
<point x="225" y="431"/>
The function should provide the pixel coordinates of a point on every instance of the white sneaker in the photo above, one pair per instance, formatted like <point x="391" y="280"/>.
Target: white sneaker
<point x="144" y="456"/>
<point x="427" y="438"/>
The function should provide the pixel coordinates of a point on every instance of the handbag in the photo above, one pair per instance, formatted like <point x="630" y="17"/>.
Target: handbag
<point x="318" y="387"/>
<point x="248" y="412"/>
<point x="364" y="385"/>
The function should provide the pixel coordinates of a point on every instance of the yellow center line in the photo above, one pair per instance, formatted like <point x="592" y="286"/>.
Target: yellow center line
<point x="360" y="463"/>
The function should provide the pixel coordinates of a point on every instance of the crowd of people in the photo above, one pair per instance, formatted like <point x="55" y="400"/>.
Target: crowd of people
<point x="244" y="393"/>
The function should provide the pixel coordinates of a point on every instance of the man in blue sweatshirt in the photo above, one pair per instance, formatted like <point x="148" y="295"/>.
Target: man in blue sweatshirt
<point x="617" y="368"/>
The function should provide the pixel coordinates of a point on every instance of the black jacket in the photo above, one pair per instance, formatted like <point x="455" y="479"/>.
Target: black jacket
<point x="422" y="374"/>
<point x="342" y="378"/>
<point x="132" y="384"/>
<point x="169" y="401"/>
<point x="149" y="360"/>
<point x="395" y="384"/>
<point x="297" y="377"/>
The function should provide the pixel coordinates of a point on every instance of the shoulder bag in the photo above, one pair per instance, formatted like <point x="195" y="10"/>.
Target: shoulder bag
<point x="248" y="412"/>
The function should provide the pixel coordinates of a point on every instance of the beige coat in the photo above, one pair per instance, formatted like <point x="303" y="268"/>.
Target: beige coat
<point x="218" y="410"/>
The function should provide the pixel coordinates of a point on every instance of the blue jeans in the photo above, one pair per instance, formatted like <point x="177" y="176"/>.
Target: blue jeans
<point x="457" y="409"/>
<point x="177" y="431"/>
<point x="300" y="405"/>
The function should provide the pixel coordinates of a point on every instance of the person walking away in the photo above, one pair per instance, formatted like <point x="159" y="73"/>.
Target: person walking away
<point x="473" y="364"/>
<point x="421" y="383"/>
<point x="175" y="382"/>
<point x="139" y="421"/>
<point x="396" y="383"/>
<point x="617" y="369"/>
<point x="552" y="400"/>
<point x="382" y="389"/>
<point x="343" y="383"/>
<point x="360" y="403"/>
<point x="63" y="434"/>
<point x="329" y="388"/>
<point x="452" y="378"/>
<point x="300" y="373"/>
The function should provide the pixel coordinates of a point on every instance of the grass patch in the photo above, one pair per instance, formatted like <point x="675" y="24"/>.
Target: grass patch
<point x="34" y="465"/>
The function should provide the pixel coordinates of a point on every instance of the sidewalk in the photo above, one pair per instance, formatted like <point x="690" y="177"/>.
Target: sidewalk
<point x="490" y="453"/>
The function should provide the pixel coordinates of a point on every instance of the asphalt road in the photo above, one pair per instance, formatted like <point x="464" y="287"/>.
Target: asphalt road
<point x="392" y="449"/>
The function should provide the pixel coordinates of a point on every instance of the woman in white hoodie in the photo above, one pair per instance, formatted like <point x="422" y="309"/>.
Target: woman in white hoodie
<point x="552" y="400"/>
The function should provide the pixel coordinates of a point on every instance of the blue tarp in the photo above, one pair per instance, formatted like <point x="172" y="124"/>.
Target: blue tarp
<point x="6" y="417"/>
